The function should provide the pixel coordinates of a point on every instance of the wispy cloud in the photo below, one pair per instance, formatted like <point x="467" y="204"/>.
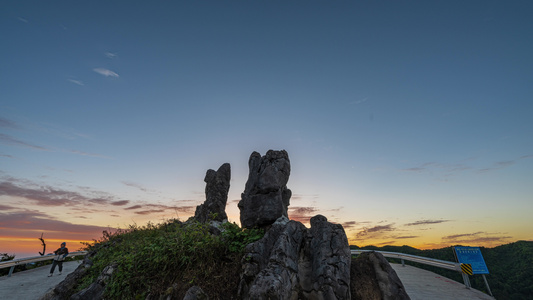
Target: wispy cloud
<point x="150" y="211"/>
<point x="406" y="237"/>
<point x="120" y="202"/>
<point x="135" y="185"/>
<point x="304" y="197"/>
<point x="49" y="196"/>
<point x="479" y="237"/>
<point x="301" y="213"/>
<point x="6" y="207"/>
<point x="386" y="243"/>
<point x="88" y="201"/>
<point x="349" y="224"/>
<point x="134" y="207"/>
<point x="359" y="101"/>
<point x="456" y="236"/>
<point x="78" y="82"/>
<point x="5" y="123"/>
<point x="7" y="139"/>
<point x="110" y="55"/>
<point x="105" y="72"/>
<point x="374" y="231"/>
<point x="87" y="154"/>
<point x="13" y="141"/>
<point x="22" y="19"/>
<point x="446" y="170"/>
<point x="426" y="222"/>
<point x="414" y="169"/>
<point x="441" y="167"/>
<point x="29" y="224"/>
<point x="163" y="209"/>
<point x="498" y="165"/>
<point x="146" y="209"/>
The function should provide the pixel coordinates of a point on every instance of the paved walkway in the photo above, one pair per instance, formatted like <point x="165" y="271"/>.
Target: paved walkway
<point x="419" y="284"/>
<point x="422" y="285"/>
<point x="33" y="284"/>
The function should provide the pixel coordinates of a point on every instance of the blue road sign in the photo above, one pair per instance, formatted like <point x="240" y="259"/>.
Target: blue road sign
<point x="473" y="256"/>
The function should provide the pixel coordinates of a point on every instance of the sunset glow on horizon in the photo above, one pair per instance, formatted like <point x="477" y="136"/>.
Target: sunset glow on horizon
<point x="407" y="123"/>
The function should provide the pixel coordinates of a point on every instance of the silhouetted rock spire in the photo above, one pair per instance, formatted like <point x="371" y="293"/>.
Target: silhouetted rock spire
<point x="266" y="196"/>
<point x="216" y="194"/>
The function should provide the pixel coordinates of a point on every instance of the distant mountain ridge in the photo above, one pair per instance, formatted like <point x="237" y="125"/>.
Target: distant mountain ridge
<point x="510" y="267"/>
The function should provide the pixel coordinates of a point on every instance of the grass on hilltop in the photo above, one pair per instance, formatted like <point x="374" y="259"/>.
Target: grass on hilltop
<point x="169" y="258"/>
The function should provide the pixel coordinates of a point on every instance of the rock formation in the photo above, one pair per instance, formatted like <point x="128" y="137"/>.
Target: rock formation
<point x="293" y="262"/>
<point x="289" y="262"/>
<point x="372" y="277"/>
<point x="216" y="195"/>
<point x="97" y="288"/>
<point x="195" y="293"/>
<point x="266" y="196"/>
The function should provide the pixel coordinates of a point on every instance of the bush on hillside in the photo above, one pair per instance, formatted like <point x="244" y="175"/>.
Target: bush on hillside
<point x="169" y="258"/>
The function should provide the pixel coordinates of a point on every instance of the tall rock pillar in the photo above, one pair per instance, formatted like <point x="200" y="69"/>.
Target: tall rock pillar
<point x="216" y="194"/>
<point x="266" y="196"/>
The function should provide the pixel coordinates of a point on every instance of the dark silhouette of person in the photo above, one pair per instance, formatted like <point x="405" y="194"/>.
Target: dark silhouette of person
<point x="61" y="253"/>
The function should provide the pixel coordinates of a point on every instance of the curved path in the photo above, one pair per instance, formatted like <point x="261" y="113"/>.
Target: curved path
<point x="422" y="285"/>
<point x="419" y="284"/>
<point x="34" y="283"/>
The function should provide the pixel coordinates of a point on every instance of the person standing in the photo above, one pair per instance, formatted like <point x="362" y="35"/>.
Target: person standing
<point x="61" y="253"/>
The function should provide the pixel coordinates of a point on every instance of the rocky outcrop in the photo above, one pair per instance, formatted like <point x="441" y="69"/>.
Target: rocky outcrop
<point x="372" y="277"/>
<point x="266" y="196"/>
<point x="95" y="291"/>
<point x="289" y="262"/>
<point x="216" y="193"/>
<point x="293" y="262"/>
<point x="195" y="293"/>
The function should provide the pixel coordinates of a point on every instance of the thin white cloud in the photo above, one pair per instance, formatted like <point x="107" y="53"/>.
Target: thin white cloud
<point x="498" y="165"/>
<point x="4" y="138"/>
<point x="135" y="185"/>
<point x="88" y="154"/>
<point x="76" y="81"/>
<point x="22" y="19"/>
<point x="359" y="101"/>
<point x="105" y="72"/>
<point x="110" y="55"/>
<point x="7" y="123"/>
<point x="426" y="222"/>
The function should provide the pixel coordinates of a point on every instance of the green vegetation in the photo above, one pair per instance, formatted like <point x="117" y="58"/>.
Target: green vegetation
<point x="169" y="258"/>
<point x="510" y="267"/>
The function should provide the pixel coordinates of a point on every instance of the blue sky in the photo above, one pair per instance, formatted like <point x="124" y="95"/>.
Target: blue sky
<point x="408" y="122"/>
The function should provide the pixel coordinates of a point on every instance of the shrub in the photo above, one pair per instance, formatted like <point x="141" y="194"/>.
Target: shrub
<point x="170" y="258"/>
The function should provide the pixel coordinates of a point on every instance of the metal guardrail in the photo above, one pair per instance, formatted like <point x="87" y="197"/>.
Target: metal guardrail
<point x="22" y="261"/>
<point x="419" y="259"/>
<point x="454" y="266"/>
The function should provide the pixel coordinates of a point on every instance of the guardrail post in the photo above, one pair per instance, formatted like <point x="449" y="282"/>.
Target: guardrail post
<point x="466" y="280"/>
<point x="403" y="263"/>
<point x="11" y="271"/>
<point x="487" y="284"/>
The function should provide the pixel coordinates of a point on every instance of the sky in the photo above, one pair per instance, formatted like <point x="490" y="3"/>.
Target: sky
<point x="408" y="122"/>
